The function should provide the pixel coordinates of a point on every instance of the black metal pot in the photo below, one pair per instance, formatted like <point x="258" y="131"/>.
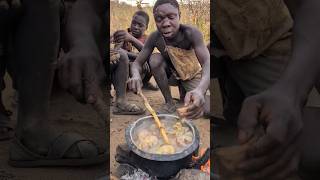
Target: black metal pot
<point x="162" y="166"/>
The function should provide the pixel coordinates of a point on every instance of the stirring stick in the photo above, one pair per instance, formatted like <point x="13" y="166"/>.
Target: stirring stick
<point x="156" y="118"/>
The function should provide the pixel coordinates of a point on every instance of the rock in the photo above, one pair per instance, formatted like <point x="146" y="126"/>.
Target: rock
<point x="191" y="174"/>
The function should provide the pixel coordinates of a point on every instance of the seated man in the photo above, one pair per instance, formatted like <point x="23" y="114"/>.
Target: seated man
<point x="289" y="141"/>
<point x="119" y="69"/>
<point x="249" y="60"/>
<point x="183" y="54"/>
<point x="134" y="38"/>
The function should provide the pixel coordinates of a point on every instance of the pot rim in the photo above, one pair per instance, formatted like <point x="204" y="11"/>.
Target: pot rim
<point x="162" y="157"/>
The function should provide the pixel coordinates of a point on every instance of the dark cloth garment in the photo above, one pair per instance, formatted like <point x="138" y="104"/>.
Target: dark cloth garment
<point x="246" y="28"/>
<point x="241" y="79"/>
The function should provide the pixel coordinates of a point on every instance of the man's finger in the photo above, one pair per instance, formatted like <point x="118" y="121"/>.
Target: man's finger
<point x="262" y="146"/>
<point x="133" y="86"/>
<point x="139" y="86"/>
<point x="276" y="134"/>
<point x="196" y="114"/>
<point x="248" y="119"/>
<point x="291" y="169"/>
<point x="258" y="163"/>
<point x="75" y="85"/>
<point x="63" y="72"/>
<point x="279" y="165"/>
<point x="91" y="89"/>
<point x="187" y="98"/>
<point x="129" y="84"/>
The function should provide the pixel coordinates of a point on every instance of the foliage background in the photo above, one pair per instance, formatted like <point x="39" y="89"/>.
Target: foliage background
<point x="193" y="12"/>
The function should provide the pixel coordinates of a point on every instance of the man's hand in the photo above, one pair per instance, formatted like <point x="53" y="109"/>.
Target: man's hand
<point x="135" y="84"/>
<point x="81" y="72"/>
<point x="122" y="36"/>
<point x="275" y="155"/>
<point x="193" y="105"/>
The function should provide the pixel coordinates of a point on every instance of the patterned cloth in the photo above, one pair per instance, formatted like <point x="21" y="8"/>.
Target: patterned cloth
<point x="246" y="28"/>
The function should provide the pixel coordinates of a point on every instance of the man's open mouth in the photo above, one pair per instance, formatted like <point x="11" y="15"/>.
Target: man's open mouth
<point x="166" y="33"/>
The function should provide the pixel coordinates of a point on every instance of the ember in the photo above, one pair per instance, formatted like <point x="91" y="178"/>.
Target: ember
<point x="198" y="168"/>
<point x="203" y="155"/>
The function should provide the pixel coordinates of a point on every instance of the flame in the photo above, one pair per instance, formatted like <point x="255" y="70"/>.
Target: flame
<point x="206" y="167"/>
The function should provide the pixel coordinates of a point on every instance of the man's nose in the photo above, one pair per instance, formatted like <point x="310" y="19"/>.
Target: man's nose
<point x="166" y="23"/>
<point x="135" y="26"/>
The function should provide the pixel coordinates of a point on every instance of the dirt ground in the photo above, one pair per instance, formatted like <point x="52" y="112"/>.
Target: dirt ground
<point x="66" y="115"/>
<point x="120" y="122"/>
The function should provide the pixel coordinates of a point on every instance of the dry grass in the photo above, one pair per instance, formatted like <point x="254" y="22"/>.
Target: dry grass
<point x="193" y="12"/>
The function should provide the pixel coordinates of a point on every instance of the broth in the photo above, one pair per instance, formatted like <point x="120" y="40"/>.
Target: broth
<point x="147" y="137"/>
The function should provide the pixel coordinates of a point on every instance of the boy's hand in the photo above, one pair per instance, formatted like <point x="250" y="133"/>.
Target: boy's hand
<point x="81" y="72"/>
<point x="275" y="155"/>
<point x="194" y="105"/>
<point x="122" y="36"/>
<point x="135" y="84"/>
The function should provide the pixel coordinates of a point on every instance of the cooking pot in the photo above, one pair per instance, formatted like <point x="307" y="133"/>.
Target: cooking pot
<point x="163" y="165"/>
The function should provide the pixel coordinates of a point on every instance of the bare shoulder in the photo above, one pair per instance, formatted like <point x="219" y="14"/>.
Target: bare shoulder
<point x="154" y="37"/>
<point x="191" y="31"/>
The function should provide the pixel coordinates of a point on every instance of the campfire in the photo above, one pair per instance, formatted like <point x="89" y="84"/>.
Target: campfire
<point x="132" y="168"/>
<point x="137" y="163"/>
<point x="203" y="156"/>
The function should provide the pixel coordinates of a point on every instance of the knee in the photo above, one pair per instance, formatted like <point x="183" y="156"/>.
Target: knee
<point x="124" y="59"/>
<point x="156" y="61"/>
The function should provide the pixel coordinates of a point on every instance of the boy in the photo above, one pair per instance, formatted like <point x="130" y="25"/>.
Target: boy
<point x="119" y="69"/>
<point x="133" y="39"/>
<point x="182" y="54"/>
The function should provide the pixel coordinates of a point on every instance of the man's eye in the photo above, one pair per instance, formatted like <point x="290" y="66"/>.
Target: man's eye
<point x="158" y="19"/>
<point x="172" y="16"/>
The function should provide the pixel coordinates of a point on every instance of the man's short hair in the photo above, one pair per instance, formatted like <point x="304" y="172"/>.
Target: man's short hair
<point x="143" y="14"/>
<point x="174" y="3"/>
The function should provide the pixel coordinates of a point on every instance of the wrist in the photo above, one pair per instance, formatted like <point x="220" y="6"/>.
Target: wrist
<point x="297" y="94"/>
<point x="200" y="90"/>
<point x="130" y="38"/>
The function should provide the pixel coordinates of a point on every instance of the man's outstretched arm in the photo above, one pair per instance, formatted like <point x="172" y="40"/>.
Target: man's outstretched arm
<point x="278" y="109"/>
<point x="82" y="68"/>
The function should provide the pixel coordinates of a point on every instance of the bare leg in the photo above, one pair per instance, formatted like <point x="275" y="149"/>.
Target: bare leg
<point x="36" y="46"/>
<point x="119" y="80"/>
<point x="158" y="68"/>
<point x="147" y="76"/>
<point x="120" y="77"/>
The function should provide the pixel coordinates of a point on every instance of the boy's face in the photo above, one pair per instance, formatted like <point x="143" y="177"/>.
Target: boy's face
<point x="167" y="20"/>
<point x="138" y="26"/>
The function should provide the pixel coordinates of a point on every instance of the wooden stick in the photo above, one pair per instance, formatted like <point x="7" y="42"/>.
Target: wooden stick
<point x="156" y="118"/>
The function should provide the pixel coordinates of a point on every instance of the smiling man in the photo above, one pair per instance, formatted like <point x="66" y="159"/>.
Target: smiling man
<point x="183" y="56"/>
